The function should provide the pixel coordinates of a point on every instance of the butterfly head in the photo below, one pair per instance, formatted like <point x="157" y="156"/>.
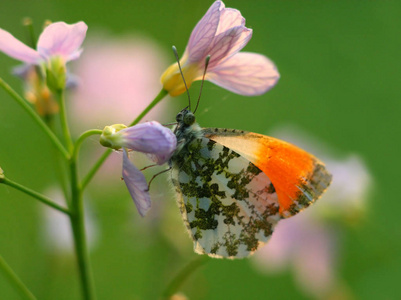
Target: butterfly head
<point x="185" y="118"/>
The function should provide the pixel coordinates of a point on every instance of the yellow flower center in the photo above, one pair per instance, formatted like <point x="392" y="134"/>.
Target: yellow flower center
<point x="172" y="79"/>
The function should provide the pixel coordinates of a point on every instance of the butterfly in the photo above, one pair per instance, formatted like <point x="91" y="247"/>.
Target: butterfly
<point x="234" y="186"/>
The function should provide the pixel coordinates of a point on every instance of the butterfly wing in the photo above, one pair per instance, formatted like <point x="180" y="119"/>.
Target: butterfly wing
<point x="228" y="204"/>
<point x="298" y="177"/>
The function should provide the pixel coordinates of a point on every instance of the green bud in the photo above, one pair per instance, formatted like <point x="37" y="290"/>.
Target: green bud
<point x="110" y="137"/>
<point x="1" y="175"/>
<point x="56" y="74"/>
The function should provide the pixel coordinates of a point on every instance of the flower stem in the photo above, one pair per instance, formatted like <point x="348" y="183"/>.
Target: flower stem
<point x="64" y="122"/>
<point x="27" y="22"/>
<point x="78" y="222"/>
<point x="35" y="117"/>
<point x="183" y="275"/>
<point x="78" y="228"/>
<point x="24" y="292"/>
<point x="81" y="138"/>
<point x="159" y="97"/>
<point x="35" y="195"/>
<point x="106" y="154"/>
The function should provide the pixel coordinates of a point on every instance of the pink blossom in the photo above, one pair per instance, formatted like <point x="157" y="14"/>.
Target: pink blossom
<point x="57" y="40"/>
<point x="150" y="138"/>
<point x="136" y="184"/>
<point x="220" y="34"/>
<point x="118" y="78"/>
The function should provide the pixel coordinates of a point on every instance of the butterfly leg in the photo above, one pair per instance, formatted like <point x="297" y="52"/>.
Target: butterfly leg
<point x="154" y="176"/>
<point x="147" y="167"/>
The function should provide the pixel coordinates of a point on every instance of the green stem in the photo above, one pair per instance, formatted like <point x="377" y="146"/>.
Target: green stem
<point x="78" y="221"/>
<point x="35" y="195"/>
<point x="81" y="138"/>
<point x="78" y="228"/>
<point x="24" y="292"/>
<point x="64" y="122"/>
<point x="35" y="117"/>
<point x="106" y="154"/>
<point x="31" y="32"/>
<point x="183" y="275"/>
<point x="159" y="97"/>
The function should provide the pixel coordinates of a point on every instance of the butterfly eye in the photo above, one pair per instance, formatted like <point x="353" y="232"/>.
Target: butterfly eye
<point x="189" y="118"/>
<point x="178" y="118"/>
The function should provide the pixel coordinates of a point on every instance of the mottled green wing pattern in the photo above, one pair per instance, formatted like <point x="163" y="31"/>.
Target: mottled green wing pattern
<point x="229" y="205"/>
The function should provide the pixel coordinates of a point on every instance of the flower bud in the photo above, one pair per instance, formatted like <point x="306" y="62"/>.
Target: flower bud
<point x="111" y="138"/>
<point x="56" y="73"/>
<point x="36" y="90"/>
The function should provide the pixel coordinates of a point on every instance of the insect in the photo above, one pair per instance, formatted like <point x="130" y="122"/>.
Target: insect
<point x="234" y="186"/>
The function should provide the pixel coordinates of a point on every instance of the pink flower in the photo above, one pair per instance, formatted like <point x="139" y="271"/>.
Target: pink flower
<point x="118" y="77"/>
<point x="307" y="247"/>
<point x="151" y="138"/>
<point x="57" y="40"/>
<point x="221" y="33"/>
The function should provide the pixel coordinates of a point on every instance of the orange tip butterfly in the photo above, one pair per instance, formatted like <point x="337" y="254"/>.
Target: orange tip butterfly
<point x="234" y="186"/>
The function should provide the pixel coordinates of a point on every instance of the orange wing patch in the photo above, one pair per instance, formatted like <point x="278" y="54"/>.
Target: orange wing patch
<point x="297" y="176"/>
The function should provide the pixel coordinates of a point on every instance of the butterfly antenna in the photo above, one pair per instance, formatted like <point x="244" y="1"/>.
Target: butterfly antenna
<point x="182" y="75"/>
<point x="203" y="79"/>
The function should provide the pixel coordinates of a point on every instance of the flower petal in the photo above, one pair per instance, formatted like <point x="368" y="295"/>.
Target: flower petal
<point x="150" y="137"/>
<point x="136" y="184"/>
<point x="16" y="49"/>
<point x="245" y="73"/>
<point x="227" y="44"/>
<point x="229" y="18"/>
<point x="204" y="32"/>
<point x="62" y="39"/>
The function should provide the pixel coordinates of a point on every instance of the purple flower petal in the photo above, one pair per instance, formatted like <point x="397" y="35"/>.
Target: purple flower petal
<point x="229" y="18"/>
<point x="204" y="32"/>
<point x="16" y="49"/>
<point x="62" y="39"/>
<point x="152" y="138"/>
<point x="245" y="73"/>
<point x="227" y="44"/>
<point x="136" y="184"/>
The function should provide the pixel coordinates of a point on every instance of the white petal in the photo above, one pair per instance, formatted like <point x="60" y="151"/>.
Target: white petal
<point x="136" y="184"/>
<point x="245" y="73"/>
<point x="62" y="39"/>
<point x="16" y="49"/>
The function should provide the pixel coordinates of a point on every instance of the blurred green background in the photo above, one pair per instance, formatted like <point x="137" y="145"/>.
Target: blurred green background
<point x="340" y="82"/>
